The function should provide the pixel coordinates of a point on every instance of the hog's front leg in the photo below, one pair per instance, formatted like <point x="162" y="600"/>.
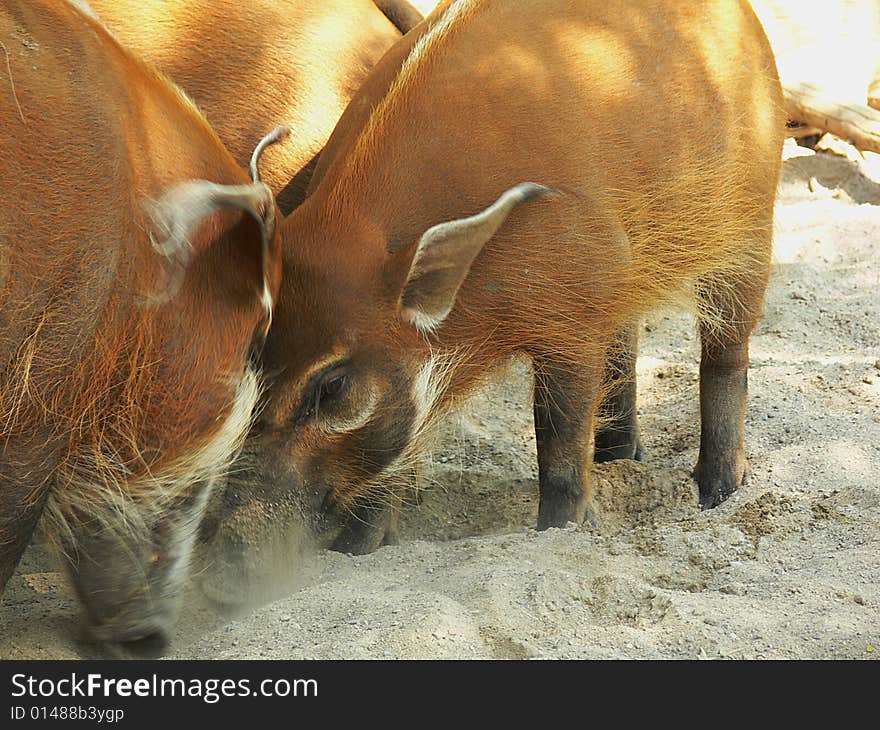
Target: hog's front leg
<point x="565" y="398"/>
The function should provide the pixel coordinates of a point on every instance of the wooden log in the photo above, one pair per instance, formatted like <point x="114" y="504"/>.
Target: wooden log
<point x="874" y="92"/>
<point x="858" y="123"/>
<point x="799" y="130"/>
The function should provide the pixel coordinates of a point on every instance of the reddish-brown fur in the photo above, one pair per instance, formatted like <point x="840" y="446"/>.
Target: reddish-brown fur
<point x="110" y="391"/>
<point x="255" y="64"/>
<point x="658" y="123"/>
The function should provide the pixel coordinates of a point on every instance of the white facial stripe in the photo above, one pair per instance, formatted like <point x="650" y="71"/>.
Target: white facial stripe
<point x="213" y="458"/>
<point x="425" y="391"/>
<point x="182" y="538"/>
<point x="222" y="449"/>
<point x="266" y="299"/>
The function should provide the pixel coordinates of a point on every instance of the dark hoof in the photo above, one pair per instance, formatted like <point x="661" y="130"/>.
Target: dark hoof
<point x="712" y="499"/>
<point x="639" y="455"/>
<point x="717" y="488"/>
<point x="605" y="452"/>
<point x="560" y="511"/>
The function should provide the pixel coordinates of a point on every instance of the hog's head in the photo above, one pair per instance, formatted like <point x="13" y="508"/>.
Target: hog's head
<point x="178" y="386"/>
<point x="355" y="371"/>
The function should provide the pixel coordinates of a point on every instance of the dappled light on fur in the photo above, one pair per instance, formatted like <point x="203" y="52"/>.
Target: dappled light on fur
<point x="650" y="210"/>
<point x="250" y="67"/>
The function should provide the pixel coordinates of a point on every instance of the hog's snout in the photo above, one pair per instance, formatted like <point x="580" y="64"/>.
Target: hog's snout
<point x="124" y="611"/>
<point x="130" y="582"/>
<point x="144" y="637"/>
<point x="265" y="478"/>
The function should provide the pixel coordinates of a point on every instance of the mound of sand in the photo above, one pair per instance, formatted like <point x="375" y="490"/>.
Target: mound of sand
<point x="786" y="568"/>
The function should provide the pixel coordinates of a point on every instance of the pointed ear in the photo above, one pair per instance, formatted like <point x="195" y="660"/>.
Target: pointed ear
<point x="179" y="212"/>
<point x="445" y="253"/>
<point x="177" y="215"/>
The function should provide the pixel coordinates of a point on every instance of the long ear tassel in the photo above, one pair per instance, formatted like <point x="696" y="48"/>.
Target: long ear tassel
<point x="182" y="209"/>
<point x="267" y="224"/>
<point x="276" y="135"/>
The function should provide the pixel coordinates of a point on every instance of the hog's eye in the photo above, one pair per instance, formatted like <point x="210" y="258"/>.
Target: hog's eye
<point x="326" y="388"/>
<point x="333" y="386"/>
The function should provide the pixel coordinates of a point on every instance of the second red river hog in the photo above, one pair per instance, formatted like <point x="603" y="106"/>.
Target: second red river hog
<point x="532" y="179"/>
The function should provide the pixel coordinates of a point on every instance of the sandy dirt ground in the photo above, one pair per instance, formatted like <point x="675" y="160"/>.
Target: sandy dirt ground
<point x="787" y="568"/>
